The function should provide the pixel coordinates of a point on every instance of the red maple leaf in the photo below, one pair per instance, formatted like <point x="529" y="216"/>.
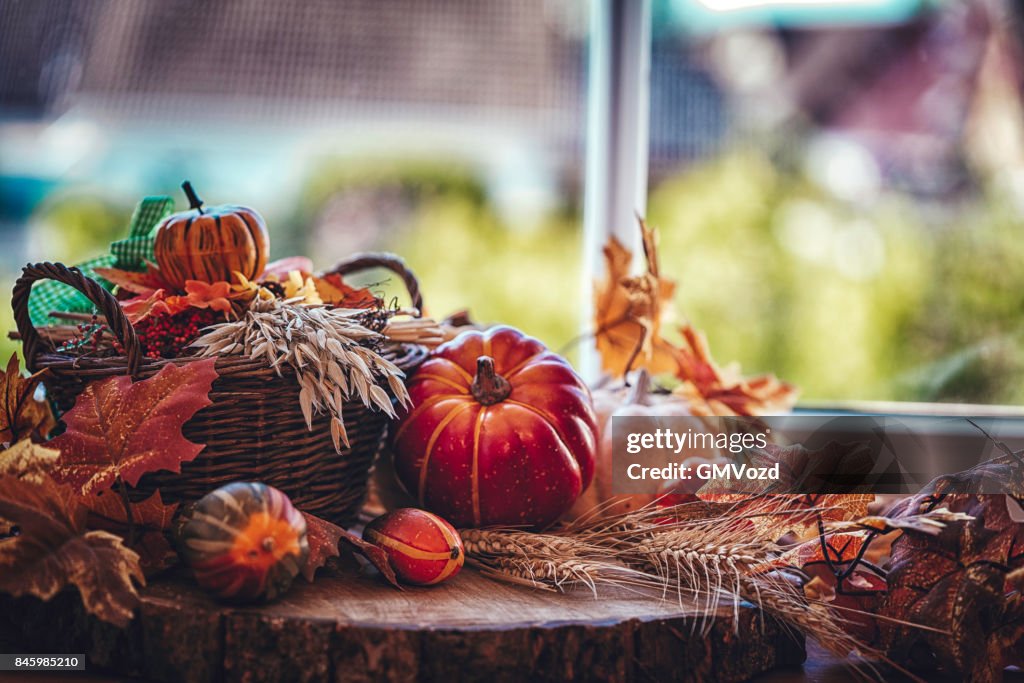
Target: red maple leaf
<point x="324" y="539"/>
<point x="119" y="428"/>
<point x="144" y="533"/>
<point x="957" y="582"/>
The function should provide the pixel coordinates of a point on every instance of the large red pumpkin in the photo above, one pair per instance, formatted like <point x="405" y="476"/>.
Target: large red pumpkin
<point x="503" y="432"/>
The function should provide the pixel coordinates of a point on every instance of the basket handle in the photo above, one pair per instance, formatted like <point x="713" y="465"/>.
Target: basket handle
<point x="73" y="277"/>
<point x="395" y="264"/>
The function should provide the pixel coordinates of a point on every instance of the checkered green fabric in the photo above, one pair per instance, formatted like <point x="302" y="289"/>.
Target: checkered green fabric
<point x="129" y="254"/>
<point x="133" y="252"/>
<point x="49" y="295"/>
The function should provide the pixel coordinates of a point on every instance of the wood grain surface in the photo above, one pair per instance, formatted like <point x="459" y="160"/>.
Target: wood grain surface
<point x="353" y="628"/>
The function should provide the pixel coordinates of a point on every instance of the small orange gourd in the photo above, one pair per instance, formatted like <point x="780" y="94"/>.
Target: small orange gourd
<point x="211" y="244"/>
<point x="422" y="548"/>
<point x="244" y="542"/>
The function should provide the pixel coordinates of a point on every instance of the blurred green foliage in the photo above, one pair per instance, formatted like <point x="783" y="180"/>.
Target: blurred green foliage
<point x="68" y="227"/>
<point x="889" y="300"/>
<point x="74" y="226"/>
<point x="894" y="300"/>
<point x="463" y="253"/>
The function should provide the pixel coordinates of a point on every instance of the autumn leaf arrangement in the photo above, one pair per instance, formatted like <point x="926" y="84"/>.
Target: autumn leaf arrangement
<point x="631" y="313"/>
<point x="167" y="319"/>
<point x="69" y="517"/>
<point x="328" y="334"/>
<point x="208" y="291"/>
<point x="211" y="325"/>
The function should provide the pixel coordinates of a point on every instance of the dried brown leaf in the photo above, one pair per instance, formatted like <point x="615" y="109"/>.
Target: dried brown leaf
<point x="21" y="415"/>
<point x="54" y="549"/>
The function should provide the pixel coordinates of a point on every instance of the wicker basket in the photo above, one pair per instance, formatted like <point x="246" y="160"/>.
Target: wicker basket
<point x="254" y="430"/>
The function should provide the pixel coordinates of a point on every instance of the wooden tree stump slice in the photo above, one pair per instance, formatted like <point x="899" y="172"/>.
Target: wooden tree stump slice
<point x="355" y="628"/>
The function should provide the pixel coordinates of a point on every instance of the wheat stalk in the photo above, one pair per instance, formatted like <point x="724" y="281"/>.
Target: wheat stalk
<point x="327" y="348"/>
<point x="675" y="551"/>
<point x="546" y="561"/>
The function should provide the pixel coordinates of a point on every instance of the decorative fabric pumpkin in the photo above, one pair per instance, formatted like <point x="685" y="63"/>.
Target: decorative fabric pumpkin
<point x="423" y="548"/>
<point x="635" y="401"/>
<point x="503" y="432"/>
<point x="244" y="541"/>
<point x="210" y="245"/>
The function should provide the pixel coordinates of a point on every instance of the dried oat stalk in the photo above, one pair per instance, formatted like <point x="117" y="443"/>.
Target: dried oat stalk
<point x="330" y="350"/>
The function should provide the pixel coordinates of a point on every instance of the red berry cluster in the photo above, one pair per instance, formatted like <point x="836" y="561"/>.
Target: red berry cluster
<point x="88" y="337"/>
<point x="165" y="336"/>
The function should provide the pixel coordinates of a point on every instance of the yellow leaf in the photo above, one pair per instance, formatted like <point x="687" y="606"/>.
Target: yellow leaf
<point x="711" y="390"/>
<point x="629" y="310"/>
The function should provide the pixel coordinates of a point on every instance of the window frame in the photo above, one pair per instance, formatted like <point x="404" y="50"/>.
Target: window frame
<point x="616" y="180"/>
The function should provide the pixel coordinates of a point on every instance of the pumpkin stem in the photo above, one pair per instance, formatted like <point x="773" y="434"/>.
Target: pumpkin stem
<point x="455" y="552"/>
<point x="641" y="390"/>
<point x="193" y="199"/>
<point x="488" y="386"/>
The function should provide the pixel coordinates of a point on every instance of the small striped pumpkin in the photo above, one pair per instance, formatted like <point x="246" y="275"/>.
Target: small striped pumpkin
<point x="244" y="541"/>
<point x="422" y="548"/>
<point x="210" y="244"/>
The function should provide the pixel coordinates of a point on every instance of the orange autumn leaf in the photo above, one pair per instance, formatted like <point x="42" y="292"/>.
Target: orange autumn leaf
<point x="124" y="429"/>
<point x="156" y="302"/>
<point x="215" y="296"/>
<point x="629" y="310"/>
<point x="841" y="548"/>
<point x="804" y="492"/>
<point x="711" y="390"/>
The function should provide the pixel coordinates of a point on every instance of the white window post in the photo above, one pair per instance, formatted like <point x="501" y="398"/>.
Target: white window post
<point x="618" y="113"/>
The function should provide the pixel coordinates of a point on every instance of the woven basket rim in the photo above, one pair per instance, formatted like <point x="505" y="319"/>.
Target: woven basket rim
<point x="405" y="355"/>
